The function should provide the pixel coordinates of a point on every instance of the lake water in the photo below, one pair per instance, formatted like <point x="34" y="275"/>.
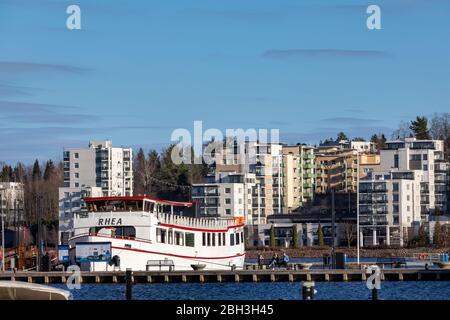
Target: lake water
<point x="408" y="290"/>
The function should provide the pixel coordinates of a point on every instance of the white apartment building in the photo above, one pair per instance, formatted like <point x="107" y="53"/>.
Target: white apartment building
<point x="71" y="203"/>
<point x="265" y="161"/>
<point x="99" y="170"/>
<point x="425" y="155"/>
<point x="298" y="176"/>
<point x="389" y="205"/>
<point x="100" y="165"/>
<point x="230" y="195"/>
<point x="11" y="204"/>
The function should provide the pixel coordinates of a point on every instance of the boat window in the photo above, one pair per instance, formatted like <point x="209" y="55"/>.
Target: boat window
<point x="231" y="239"/>
<point x="219" y="239"/>
<point x="126" y="231"/>
<point x="149" y="206"/>
<point x="224" y="239"/>
<point x="209" y="239"/>
<point x="170" y="236"/>
<point x="190" y="239"/>
<point x="161" y="235"/>
<point x="237" y="238"/>
<point x="179" y="238"/>
<point x="213" y="235"/>
<point x="242" y="236"/>
<point x="204" y="239"/>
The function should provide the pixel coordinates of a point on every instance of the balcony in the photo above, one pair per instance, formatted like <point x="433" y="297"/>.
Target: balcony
<point x="308" y="156"/>
<point x="308" y="166"/>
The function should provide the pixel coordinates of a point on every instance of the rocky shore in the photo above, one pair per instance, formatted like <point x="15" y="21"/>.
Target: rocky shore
<point x="318" y="252"/>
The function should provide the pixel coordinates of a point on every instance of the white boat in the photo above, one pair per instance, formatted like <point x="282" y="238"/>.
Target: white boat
<point x="15" y="290"/>
<point x="150" y="234"/>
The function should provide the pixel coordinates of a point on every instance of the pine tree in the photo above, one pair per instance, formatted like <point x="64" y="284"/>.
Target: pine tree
<point x="320" y="236"/>
<point x="272" y="236"/>
<point x="420" y="128"/>
<point x="437" y="234"/>
<point x="295" y="236"/>
<point x="341" y="136"/>
<point x="36" y="171"/>
<point x="49" y="170"/>
<point x="423" y="239"/>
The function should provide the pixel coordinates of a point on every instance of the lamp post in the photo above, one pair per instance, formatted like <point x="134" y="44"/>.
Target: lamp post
<point x="357" y="210"/>
<point x="3" y="232"/>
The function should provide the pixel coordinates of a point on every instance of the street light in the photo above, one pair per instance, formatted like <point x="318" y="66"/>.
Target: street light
<point x="3" y="233"/>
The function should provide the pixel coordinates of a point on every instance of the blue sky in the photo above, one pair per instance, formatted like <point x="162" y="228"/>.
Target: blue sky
<point x="140" y="69"/>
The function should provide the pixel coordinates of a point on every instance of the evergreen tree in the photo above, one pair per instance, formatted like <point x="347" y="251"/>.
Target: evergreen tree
<point x="437" y="234"/>
<point x="420" y="128"/>
<point x="49" y="170"/>
<point x="272" y="236"/>
<point x="36" y="171"/>
<point x="295" y="236"/>
<point x="341" y="136"/>
<point x="320" y="236"/>
<point x="423" y="239"/>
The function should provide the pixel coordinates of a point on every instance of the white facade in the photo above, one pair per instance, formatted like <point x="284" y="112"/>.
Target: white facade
<point x="11" y="205"/>
<point x="425" y="155"/>
<point x="389" y="204"/>
<point x="363" y="146"/>
<point x="71" y="203"/>
<point x="229" y="196"/>
<point x="100" y="165"/>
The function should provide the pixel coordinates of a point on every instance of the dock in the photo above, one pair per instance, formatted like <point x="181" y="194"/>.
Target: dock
<point x="236" y="276"/>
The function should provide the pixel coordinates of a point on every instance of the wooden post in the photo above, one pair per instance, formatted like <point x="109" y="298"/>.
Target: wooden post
<point x="129" y="284"/>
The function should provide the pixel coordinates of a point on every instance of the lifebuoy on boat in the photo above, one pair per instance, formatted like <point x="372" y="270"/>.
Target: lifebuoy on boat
<point x="422" y="256"/>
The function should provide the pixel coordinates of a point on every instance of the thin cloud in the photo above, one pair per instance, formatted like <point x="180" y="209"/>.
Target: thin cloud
<point x="16" y="67"/>
<point x="278" y="54"/>
<point x="350" y="120"/>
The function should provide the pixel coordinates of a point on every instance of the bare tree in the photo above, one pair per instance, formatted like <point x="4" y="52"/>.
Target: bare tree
<point x="350" y="233"/>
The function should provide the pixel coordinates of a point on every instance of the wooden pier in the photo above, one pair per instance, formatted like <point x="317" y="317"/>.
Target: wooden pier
<point x="407" y="274"/>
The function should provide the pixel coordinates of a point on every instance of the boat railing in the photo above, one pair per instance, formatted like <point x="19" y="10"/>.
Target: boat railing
<point x="204" y="223"/>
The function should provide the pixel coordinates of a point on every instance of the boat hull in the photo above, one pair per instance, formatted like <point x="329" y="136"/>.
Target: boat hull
<point x="135" y="255"/>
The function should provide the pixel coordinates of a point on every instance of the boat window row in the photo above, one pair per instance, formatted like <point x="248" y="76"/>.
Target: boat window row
<point x="212" y="239"/>
<point x="178" y="238"/>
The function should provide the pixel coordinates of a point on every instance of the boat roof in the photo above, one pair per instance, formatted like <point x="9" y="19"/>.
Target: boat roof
<point x="140" y="198"/>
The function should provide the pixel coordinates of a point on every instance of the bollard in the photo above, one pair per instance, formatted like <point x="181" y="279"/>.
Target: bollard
<point x="308" y="290"/>
<point x="129" y="283"/>
<point x="374" y="294"/>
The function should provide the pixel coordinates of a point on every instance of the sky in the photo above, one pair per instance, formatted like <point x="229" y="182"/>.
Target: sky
<point x="137" y="70"/>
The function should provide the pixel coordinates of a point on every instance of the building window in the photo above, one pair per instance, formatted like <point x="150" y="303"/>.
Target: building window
<point x="77" y="165"/>
<point x="425" y="167"/>
<point x="77" y="175"/>
<point x="76" y="155"/>
<point x="395" y="186"/>
<point x="77" y="184"/>
<point x="228" y="211"/>
<point x="227" y="201"/>
<point x="425" y="157"/>
<point x="227" y="190"/>
<point x="396" y="161"/>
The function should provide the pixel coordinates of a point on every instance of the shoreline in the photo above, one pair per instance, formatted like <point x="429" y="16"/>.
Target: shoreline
<point x="319" y="252"/>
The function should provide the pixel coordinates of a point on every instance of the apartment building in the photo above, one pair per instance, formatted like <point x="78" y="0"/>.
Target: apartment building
<point x="98" y="170"/>
<point x="368" y="162"/>
<point x="389" y="205"/>
<point x="425" y="155"/>
<point x="298" y="176"/>
<point x="336" y="169"/>
<point x="228" y="195"/>
<point x="100" y="165"/>
<point x="264" y="160"/>
<point x="71" y="203"/>
<point x="11" y="204"/>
